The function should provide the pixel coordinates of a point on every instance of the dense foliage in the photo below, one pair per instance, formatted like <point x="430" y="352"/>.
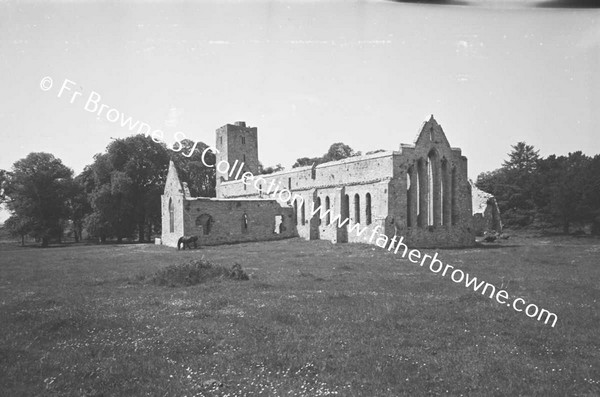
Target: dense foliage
<point x="269" y="170"/>
<point x="337" y="151"/>
<point x="117" y="196"/>
<point x="37" y="192"/>
<point x="125" y="183"/>
<point x="561" y="191"/>
<point x="195" y="272"/>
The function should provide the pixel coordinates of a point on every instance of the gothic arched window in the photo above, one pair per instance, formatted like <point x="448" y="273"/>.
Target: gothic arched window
<point x="171" y="216"/>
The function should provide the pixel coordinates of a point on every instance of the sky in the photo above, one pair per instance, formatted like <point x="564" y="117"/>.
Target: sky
<point x="307" y="74"/>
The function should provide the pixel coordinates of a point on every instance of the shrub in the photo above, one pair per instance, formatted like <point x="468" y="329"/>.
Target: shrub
<point x="196" y="272"/>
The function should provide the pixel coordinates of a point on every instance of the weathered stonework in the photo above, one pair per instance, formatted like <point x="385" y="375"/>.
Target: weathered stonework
<point x="219" y="221"/>
<point x="486" y="214"/>
<point x="420" y="192"/>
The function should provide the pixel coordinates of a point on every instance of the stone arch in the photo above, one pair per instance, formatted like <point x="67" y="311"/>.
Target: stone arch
<point x="205" y="221"/>
<point x="171" y="216"/>
<point x="345" y="209"/>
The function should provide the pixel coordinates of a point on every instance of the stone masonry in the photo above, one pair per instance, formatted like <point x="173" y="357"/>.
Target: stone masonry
<point x="420" y="192"/>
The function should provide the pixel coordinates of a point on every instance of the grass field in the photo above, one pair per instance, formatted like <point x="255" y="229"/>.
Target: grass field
<point x="314" y="319"/>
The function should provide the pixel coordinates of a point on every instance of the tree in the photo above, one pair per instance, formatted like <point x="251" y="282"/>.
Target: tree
<point x="38" y="190"/>
<point x="375" y="151"/>
<point x="79" y="203"/>
<point x="562" y="196"/>
<point x="127" y="183"/>
<point x="114" y="212"/>
<point x="337" y="151"/>
<point x="306" y="161"/>
<point x="201" y="179"/>
<point x="560" y="191"/>
<point x="269" y="170"/>
<point x="592" y="193"/>
<point x="522" y="158"/>
<point x="19" y="227"/>
<point x="3" y="181"/>
<point x="514" y="185"/>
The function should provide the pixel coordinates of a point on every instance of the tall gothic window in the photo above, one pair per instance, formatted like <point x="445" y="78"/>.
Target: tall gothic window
<point x="356" y="208"/>
<point x="171" y="216"/>
<point x="317" y="204"/>
<point x="368" y="208"/>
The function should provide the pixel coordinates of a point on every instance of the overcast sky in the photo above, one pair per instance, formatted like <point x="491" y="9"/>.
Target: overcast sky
<point x="307" y="74"/>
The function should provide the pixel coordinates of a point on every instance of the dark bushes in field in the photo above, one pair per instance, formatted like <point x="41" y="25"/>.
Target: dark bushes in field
<point x="196" y="272"/>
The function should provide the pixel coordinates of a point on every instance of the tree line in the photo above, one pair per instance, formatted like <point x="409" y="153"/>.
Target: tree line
<point x="117" y="196"/>
<point x="553" y="192"/>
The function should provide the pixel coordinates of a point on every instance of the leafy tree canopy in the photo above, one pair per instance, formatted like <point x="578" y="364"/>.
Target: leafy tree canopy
<point x="38" y="190"/>
<point x="269" y="170"/>
<point x="125" y="183"/>
<point x="554" y="191"/>
<point x="337" y="151"/>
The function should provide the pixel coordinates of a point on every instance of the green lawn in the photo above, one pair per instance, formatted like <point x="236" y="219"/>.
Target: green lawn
<point x="314" y="319"/>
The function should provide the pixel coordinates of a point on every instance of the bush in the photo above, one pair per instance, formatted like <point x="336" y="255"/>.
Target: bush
<point x="196" y="272"/>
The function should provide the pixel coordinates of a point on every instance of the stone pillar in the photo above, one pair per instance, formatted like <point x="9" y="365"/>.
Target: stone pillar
<point x="423" y="191"/>
<point x="412" y="197"/>
<point x="338" y="200"/>
<point x="313" y="221"/>
<point x="446" y="193"/>
<point x="436" y="171"/>
<point x="454" y="199"/>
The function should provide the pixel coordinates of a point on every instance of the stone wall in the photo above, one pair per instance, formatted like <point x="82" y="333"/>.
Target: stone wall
<point x="358" y="170"/>
<point x="167" y="237"/>
<point x="174" y="194"/>
<point x="227" y="223"/>
<point x="436" y="214"/>
<point x="486" y="214"/>
<point x="217" y="221"/>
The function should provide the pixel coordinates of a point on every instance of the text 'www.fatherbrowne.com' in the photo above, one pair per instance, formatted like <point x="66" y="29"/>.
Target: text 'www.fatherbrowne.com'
<point x="436" y="266"/>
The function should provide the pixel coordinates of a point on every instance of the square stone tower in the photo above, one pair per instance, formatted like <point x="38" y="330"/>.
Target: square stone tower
<point x="237" y="146"/>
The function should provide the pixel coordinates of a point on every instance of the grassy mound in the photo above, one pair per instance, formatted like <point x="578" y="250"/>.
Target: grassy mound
<point x="196" y="272"/>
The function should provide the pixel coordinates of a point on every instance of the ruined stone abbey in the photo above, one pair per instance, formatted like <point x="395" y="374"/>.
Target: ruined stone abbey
<point x="421" y="192"/>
